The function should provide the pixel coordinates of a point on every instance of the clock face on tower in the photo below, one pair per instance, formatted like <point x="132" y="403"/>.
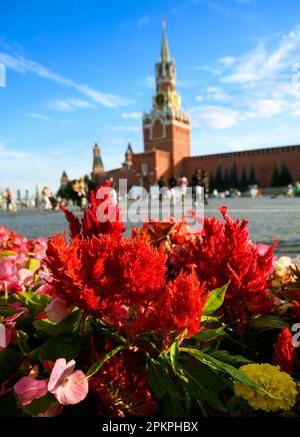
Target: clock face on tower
<point x="160" y="99"/>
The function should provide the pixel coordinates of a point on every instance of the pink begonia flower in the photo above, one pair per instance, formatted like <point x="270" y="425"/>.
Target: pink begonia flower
<point x="67" y="386"/>
<point x="27" y="389"/>
<point x="8" y="270"/>
<point x="57" y="310"/>
<point x="26" y="278"/>
<point x="46" y="289"/>
<point x="5" y="337"/>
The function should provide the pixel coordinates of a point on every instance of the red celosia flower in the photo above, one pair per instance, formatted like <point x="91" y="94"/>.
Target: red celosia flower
<point x="176" y="314"/>
<point x="101" y="217"/>
<point x="102" y="275"/>
<point x="285" y="354"/>
<point x="182" y="305"/>
<point x="121" y="386"/>
<point x="223" y="254"/>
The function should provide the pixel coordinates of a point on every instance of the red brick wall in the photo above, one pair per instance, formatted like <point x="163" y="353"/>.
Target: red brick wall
<point x="176" y="141"/>
<point x="144" y="158"/>
<point x="181" y="147"/>
<point x="157" y="130"/>
<point x="163" y="165"/>
<point x="263" y="160"/>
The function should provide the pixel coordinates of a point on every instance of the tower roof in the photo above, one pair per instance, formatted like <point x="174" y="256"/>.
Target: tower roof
<point x="97" y="162"/>
<point x="129" y="148"/>
<point x="164" y="54"/>
<point x="64" y="174"/>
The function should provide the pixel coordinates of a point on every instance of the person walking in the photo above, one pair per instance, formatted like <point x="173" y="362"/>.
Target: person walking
<point x="183" y="183"/>
<point x="196" y="182"/>
<point x="205" y="185"/>
<point x="9" y="199"/>
<point x="172" y="182"/>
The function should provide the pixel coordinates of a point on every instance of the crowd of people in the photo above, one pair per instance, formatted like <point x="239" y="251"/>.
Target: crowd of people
<point x="78" y="192"/>
<point x="199" y="179"/>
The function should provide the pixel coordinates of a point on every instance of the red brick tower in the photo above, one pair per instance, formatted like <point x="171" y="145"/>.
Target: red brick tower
<point x="167" y="127"/>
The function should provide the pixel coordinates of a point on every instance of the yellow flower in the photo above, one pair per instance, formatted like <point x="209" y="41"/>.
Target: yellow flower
<point x="280" y="388"/>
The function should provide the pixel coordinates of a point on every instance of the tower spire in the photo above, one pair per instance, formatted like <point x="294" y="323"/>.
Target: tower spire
<point x="165" y="54"/>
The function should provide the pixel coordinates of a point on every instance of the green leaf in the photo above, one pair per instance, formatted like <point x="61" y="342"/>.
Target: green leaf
<point x="39" y="406"/>
<point x="8" y="253"/>
<point x="68" y="324"/>
<point x="33" y="264"/>
<point x="209" y="319"/>
<point x="96" y="366"/>
<point x="35" y="302"/>
<point x="209" y="334"/>
<point x="199" y="392"/>
<point x="171" y="407"/>
<point x="21" y="340"/>
<point x="222" y="367"/>
<point x="10" y="361"/>
<point x="204" y="383"/>
<point x="226" y="357"/>
<point x="174" y="356"/>
<point x="267" y="322"/>
<point x="214" y="300"/>
<point x="160" y="380"/>
<point x="65" y="345"/>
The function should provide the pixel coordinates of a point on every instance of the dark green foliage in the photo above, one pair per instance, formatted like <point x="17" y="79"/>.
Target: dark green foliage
<point x="244" y="180"/>
<point x="285" y="175"/>
<point x="252" y="176"/>
<point x="275" y="182"/>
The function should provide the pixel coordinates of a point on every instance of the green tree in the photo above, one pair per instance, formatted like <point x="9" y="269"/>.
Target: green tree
<point x="226" y="182"/>
<point x="233" y="177"/>
<point x="285" y="175"/>
<point x="244" y="180"/>
<point x="252" y="176"/>
<point x="219" y="181"/>
<point x="275" y="182"/>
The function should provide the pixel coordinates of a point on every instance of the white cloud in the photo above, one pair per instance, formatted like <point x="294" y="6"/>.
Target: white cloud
<point x="267" y="108"/>
<point x="38" y="116"/>
<point x="215" y="6"/>
<point x="80" y="104"/>
<point x="147" y="81"/>
<point x="261" y="63"/>
<point x="296" y="109"/>
<point x="227" y="61"/>
<point x="199" y="98"/>
<point x="127" y="128"/>
<point x="14" y="154"/>
<point x="218" y="94"/>
<point x="209" y="68"/>
<point x="132" y="115"/>
<point x="68" y="105"/>
<point x="143" y="21"/>
<point x="216" y="117"/>
<point x="23" y="65"/>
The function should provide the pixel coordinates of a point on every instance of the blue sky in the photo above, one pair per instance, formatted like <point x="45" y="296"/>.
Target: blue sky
<point x="81" y="71"/>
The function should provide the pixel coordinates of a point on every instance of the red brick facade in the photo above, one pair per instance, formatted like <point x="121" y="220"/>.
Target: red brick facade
<point x="263" y="161"/>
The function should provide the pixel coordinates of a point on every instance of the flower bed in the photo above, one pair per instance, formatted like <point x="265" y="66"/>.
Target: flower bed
<point x="168" y="322"/>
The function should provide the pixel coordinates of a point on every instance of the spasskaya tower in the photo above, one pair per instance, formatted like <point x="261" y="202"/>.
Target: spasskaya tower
<point x="167" y="127"/>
